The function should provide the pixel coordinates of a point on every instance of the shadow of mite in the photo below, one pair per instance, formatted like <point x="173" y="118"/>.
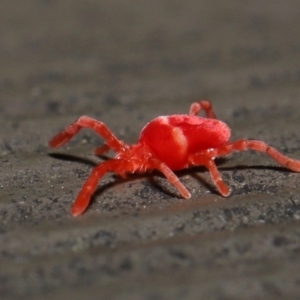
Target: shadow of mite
<point x="193" y="172"/>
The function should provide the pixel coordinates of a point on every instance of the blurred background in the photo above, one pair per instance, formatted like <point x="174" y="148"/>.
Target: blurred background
<point x="126" y="62"/>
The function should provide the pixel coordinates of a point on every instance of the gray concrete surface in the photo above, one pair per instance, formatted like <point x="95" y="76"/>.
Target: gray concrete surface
<point x="125" y="62"/>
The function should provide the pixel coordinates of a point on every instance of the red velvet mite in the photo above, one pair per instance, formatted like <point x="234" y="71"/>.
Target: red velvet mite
<point x="167" y="144"/>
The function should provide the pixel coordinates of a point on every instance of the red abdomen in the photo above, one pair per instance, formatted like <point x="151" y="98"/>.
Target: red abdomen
<point x="173" y="138"/>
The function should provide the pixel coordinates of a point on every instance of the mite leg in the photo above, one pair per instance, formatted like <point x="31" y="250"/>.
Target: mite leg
<point x="83" y="199"/>
<point x="205" y="159"/>
<point x="86" y="122"/>
<point x="172" y="178"/>
<point x="244" y="145"/>
<point x="205" y="105"/>
<point x="216" y="178"/>
<point x="102" y="149"/>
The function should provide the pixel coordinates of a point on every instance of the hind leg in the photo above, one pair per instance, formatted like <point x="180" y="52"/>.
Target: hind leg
<point x="205" y="105"/>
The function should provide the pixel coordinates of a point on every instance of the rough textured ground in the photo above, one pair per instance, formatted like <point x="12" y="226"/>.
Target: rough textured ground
<point x="125" y="62"/>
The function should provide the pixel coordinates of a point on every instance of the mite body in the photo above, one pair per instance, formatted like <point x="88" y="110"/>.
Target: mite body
<point x="167" y="144"/>
<point x="173" y="139"/>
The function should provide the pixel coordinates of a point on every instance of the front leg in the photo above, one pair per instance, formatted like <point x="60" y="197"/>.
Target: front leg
<point x="119" y="166"/>
<point x="172" y="178"/>
<point x="205" y="159"/>
<point x="86" y="122"/>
